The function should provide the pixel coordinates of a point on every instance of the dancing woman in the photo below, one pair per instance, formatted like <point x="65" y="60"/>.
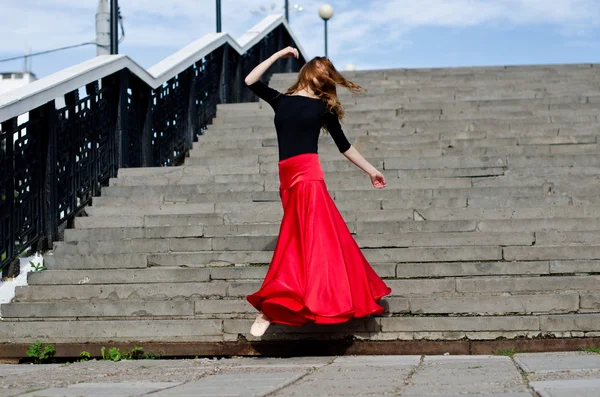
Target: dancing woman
<point x="318" y="273"/>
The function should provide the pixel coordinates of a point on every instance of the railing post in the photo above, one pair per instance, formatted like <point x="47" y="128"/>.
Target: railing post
<point x="9" y="127"/>
<point x="147" y="131"/>
<point x="190" y="113"/>
<point x="123" y="121"/>
<point x="49" y="190"/>
<point x="71" y="99"/>
<point x="225" y="75"/>
<point x="110" y="93"/>
<point x="92" y="91"/>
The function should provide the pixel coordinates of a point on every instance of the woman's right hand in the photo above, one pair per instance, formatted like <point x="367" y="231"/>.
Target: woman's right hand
<point x="378" y="180"/>
<point x="288" y="52"/>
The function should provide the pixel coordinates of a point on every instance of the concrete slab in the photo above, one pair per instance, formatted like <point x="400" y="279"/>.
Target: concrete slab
<point x="567" y="388"/>
<point x="230" y="385"/>
<point x="462" y="375"/>
<point x="518" y="394"/>
<point x="560" y="361"/>
<point x="365" y="361"/>
<point x="350" y="381"/>
<point x="102" y="389"/>
<point x="18" y="369"/>
<point x="275" y="362"/>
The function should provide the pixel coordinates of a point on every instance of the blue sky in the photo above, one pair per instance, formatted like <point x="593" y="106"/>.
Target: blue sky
<point x="371" y="34"/>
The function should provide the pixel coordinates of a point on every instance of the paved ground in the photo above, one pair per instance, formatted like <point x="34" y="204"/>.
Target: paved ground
<point x="568" y="374"/>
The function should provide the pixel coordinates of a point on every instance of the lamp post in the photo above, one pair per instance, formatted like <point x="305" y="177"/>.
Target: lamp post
<point x="218" y="16"/>
<point x="114" y="27"/>
<point x="287" y="10"/>
<point x="326" y="12"/>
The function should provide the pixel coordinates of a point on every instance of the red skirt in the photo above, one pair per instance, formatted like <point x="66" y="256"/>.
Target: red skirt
<point x="318" y="273"/>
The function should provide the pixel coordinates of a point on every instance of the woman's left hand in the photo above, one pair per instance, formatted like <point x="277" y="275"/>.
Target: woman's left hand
<point x="378" y="180"/>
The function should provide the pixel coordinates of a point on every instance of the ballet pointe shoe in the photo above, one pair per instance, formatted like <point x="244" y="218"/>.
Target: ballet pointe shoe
<point x="260" y="325"/>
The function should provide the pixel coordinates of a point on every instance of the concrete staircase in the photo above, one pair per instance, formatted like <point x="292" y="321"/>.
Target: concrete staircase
<point x="489" y="227"/>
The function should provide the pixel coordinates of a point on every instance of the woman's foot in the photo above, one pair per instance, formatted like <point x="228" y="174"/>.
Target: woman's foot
<point x="260" y="325"/>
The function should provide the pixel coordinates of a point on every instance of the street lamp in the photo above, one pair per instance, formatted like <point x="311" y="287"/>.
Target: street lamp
<point x="326" y="12"/>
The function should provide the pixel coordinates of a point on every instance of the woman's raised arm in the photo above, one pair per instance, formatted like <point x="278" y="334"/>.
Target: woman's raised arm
<point x="262" y="67"/>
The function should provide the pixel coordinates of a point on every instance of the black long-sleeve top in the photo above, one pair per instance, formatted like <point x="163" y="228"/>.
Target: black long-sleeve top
<point x="298" y="121"/>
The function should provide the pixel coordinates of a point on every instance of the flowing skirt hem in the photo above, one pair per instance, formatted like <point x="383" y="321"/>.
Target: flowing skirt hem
<point x="288" y="309"/>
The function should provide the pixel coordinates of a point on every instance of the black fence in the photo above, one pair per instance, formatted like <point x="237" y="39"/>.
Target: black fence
<point x="56" y="161"/>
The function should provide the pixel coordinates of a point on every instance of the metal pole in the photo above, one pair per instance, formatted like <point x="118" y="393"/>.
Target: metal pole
<point x="114" y="27"/>
<point x="287" y="10"/>
<point x="325" y="37"/>
<point x="218" y="16"/>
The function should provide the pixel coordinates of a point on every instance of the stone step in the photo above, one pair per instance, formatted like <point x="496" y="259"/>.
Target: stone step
<point x="518" y="202"/>
<point x="117" y="233"/>
<point x="406" y="174"/>
<point x="174" y="190"/>
<point x="142" y="207"/>
<point x="490" y="225"/>
<point x="152" y="275"/>
<point x="469" y="193"/>
<point x="125" y="309"/>
<point x="550" y="252"/>
<point x="481" y="122"/>
<point x="407" y="145"/>
<point x="565" y="103"/>
<point x="556" y="238"/>
<point x="443" y="162"/>
<point x="357" y="115"/>
<point x="489" y="89"/>
<point x="160" y="209"/>
<point x="524" y="285"/>
<point x="152" y="220"/>
<point x="450" y="129"/>
<point x="201" y="257"/>
<point x="560" y="180"/>
<point x="268" y="213"/>
<point x="387" y="255"/>
<point x="473" y="287"/>
<point x="227" y="308"/>
<point x="362" y="191"/>
<point x="510" y="108"/>
<point x="484" y="214"/>
<point x="425" y="173"/>
<point x="558" y="160"/>
<point x="494" y="268"/>
<point x="503" y="86"/>
<point x="335" y="180"/>
<point x="544" y="170"/>
<point x="487" y="73"/>
<point x="421" y="150"/>
<point x="218" y="330"/>
<point x="115" y="201"/>
<point x="260" y="243"/>
<point x="251" y="272"/>
<point x="437" y="76"/>
<point x="272" y="229"/>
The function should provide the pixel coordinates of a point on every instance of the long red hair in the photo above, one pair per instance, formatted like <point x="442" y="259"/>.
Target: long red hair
<point x="321" y="69"/>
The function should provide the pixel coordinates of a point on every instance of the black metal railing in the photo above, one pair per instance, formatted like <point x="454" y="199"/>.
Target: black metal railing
<point x="55" y="161"/>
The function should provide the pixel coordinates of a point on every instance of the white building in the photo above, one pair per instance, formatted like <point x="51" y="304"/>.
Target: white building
<point x="11" y="80"/>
